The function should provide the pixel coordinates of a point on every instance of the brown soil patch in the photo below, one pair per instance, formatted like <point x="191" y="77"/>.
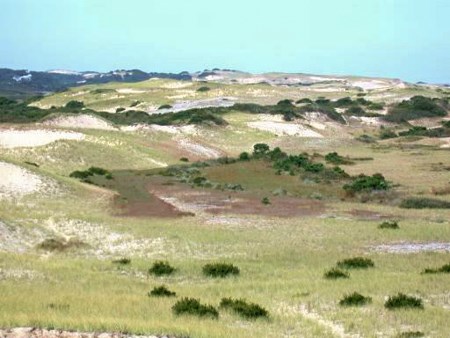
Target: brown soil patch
<point x="153" y="207"/>
<point x="216" y="202"/>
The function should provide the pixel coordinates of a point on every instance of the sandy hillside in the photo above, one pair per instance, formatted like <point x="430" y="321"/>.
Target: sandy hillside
<point x="79" y="121"/>
<point x="12" y="138"/>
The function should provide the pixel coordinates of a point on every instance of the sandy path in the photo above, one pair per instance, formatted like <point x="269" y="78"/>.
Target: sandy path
<point x="282" y="128"/>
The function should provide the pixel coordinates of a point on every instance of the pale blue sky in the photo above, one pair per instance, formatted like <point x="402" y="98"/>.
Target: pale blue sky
<point x="409" y="39"/>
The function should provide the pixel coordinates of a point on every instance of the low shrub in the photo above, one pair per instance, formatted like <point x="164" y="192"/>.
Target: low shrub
<point x="220" y="270"/>
<point x="356" y="263"/>
<point x="335" y="274"/>
<point x="403" y="301"/>
<point x="244" y="156"/>
<point x="191" y="306"/>
<point x="161" y="268"/>
<point x="244" y="309"/>
<point x="265" y="201"/>
<point x="337" y="159"/>
<point x="443" y="269"/>
<point x="98" y="171"/>
<point x="367" y="183"/>
<point x="411" y="334"/>
<point x="161" y="291"/>
<point x="355" y="299"/>
<point x="204" y="89"/>
<point x="389" y="225"/>
<point x="387" y="134"/>
<point x="304" y="100"/>
<point x="122" y="261"/>
<point x="184" y="159"/>
<point x="165" y="106"/>
<point x="424" y="203"/>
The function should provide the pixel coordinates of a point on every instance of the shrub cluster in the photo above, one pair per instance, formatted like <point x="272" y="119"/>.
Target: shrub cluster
<point x="389" y="225"/>
<point x="415" y="108"/>
<point x="424" y="203"/>
<point x="220" y="270"/>
<point x="161" y="291"/>
<point x="84" y="175"/>
<point x="244" y="309"/>
<point x="403" y="301"/>
<point x="122" y="261"/>
<point x="356" y="263"/>
<point x="335" y="274"/>
<point x="161" y="268"/>
<point x="443" y="269"/>
<point x="367" y="183"/>
<point x="191" y="306"/>
<point x="337" y="159"/>
<point x="355" y="299"/>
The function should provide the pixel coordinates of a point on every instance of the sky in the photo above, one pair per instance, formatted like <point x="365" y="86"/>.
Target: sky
<point x="407" y="39"/>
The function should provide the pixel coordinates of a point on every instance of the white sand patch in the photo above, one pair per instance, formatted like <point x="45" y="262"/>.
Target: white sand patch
<point x="11" y="138"/>
<point x="103" y="242"/>
<point x="407" y="248"/>
<point x="370" y="121"/>
<point x="17" y="182"/>
<point x="129" y="91"/>
<point x="17" y="238"/>
<point x="189" y="129"/>
<point x="317" y="125"/>
<point x="280" y="128"/>
<point x="31" y="332"/>
<point x="176" y="85"/>
<point x="20" y="274"/>
<point x="371" y="84"/>
<point x="198" y="149"/>
<point x="319" y="78"/>
<point x="269" y="117"/>
<point x="80" y="121"/>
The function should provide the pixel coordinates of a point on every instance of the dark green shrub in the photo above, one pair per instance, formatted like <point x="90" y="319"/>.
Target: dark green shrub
<point x="82" y="175"/>
<point x="184" y="159"/>
<point x="367" y="183"/>
<point x="134" y="103"/>
<point x="285" y="102"/>
<point x="120" y="109"/>
<point x="244" y="309"/>
<point x="415" y="108"/>
<point x="387" y="134"/>
<point x="165" y="106"/>
<point x="98" y="171"/>
<point x="220" y="270"/>
<point x="191" y="306"/>
<point x="199" y="180"/>
<point x="122" y="261"/>
<point x="74" y="104"/>
<point x="304" y="100"/>
<point x="314" y="167"/>
<point x="443" y="269"/>
<point x="389" y="225"/>
<point x="265" y="201"/>
<point x="32" y="163"/>
<point x="355" y="111"/>
<point x="204" y="89"/>
<point x="424" y="203"/>
<point x="403" y="301"/>
<point x="354" y="299"/>
<point x="161" y="268"/>
<point x="337" y="159"/>
<point x="343" y="102"/>
<point x="260" y="149"/>
<point x="335" y="274"/>
<point x="411" y="334"/>
<point x="244" y="156"/>
<point x="356" y="263"/>
<point x="161" y="291"/>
